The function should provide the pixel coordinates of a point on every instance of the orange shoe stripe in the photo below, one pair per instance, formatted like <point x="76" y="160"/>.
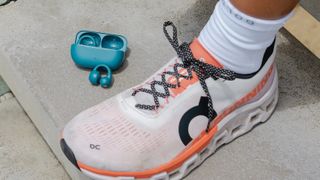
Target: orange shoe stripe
<point x="199" y="52"/>
<point x="168" y="167"/>
<point x="195" y="147"/>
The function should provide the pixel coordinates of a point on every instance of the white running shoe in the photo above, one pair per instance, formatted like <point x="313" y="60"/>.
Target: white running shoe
<point x="168" y="125"/>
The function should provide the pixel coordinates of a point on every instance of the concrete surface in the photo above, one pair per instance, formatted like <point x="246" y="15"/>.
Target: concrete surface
<point x="35" y="62"/>
<point x="312" y="6"/>
<point x="23" y="153"/>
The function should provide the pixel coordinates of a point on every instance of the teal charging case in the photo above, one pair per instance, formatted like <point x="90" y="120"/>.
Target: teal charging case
<point x="95" y="48"/>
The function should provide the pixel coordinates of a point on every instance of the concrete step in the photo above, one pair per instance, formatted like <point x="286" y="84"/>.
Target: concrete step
<point x="36" y="64"/>
<point x="24" y="154"/>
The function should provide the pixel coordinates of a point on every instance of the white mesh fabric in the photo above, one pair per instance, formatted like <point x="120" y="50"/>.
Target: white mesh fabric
<point x="123" y="143"/>
<point x="116" y="133"/>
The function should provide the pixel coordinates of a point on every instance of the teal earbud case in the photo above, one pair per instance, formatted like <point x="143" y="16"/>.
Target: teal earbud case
<point x="91" y="49"/>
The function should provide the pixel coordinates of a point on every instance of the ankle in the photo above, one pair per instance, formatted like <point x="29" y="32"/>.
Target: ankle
<point x="236" y="40"/>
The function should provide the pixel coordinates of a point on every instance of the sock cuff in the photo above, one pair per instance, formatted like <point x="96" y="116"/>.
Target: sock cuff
<point x="251" y="22"/>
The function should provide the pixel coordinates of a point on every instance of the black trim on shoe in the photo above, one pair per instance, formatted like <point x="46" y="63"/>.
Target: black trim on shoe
<point x="266" y="56"/>
<point x="68" y="153"/>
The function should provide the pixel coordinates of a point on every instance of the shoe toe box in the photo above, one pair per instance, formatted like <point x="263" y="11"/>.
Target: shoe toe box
<point x="104" y="137"/>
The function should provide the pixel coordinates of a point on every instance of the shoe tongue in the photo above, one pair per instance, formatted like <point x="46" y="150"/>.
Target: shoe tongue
<point x="199" y="52"/>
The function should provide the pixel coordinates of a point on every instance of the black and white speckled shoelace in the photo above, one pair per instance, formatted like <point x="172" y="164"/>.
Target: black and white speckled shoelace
<point x="202" y="70"/>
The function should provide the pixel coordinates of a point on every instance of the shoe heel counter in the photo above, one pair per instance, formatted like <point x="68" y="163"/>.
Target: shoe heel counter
<point x="268" y="85"/>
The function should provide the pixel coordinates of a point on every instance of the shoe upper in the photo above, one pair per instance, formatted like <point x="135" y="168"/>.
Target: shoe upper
<point x="115" y="135"/>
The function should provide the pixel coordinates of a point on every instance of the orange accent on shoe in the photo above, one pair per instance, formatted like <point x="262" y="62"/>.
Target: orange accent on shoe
<point x="168" y="167"/>
<point x="184" y="83"/>
<point x="199" y="52"/>
<point x="61" y="134"/>
<point x="195" y="147"/>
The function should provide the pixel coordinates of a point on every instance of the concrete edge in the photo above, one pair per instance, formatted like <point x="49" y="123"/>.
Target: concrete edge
<point x="5" y="97"/>
<point x="35" y="111"/>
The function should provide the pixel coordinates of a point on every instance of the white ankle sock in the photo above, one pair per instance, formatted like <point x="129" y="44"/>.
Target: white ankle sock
<point x="237" y="40"/>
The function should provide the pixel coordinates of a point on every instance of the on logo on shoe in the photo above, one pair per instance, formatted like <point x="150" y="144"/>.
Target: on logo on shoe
<point x="200" y="110"/>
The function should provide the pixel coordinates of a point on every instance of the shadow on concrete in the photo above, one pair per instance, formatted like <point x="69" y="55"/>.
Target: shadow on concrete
<point x="299" y="73"/>
<point x="3" y="87"/>
<point x="298" y="68"/>
<point x="312" y="6"/>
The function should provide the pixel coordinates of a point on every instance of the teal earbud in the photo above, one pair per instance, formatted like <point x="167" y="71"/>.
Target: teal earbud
<point x="89" y="39"/>
<point x="96" y="79"/>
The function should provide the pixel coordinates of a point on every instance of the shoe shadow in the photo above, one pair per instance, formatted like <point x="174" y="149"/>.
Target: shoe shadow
<point x="299" y="73"/>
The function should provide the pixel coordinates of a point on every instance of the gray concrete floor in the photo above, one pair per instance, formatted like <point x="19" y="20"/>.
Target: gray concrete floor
<point x="35" y="61"/>
<point x="313" y="7"/>
<point x="23" y="152"/>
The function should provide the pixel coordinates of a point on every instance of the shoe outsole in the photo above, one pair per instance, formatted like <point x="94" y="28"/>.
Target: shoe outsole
<point x="239" y="122"/>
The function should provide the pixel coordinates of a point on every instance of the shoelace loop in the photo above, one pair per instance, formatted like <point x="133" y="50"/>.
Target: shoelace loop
<point x="202" y="70"/>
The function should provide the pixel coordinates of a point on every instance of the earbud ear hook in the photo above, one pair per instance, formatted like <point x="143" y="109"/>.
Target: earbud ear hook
<point x="96" y="79"/>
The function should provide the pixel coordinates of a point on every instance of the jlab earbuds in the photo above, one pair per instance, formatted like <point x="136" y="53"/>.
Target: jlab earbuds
<point x="101" y="51"/>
